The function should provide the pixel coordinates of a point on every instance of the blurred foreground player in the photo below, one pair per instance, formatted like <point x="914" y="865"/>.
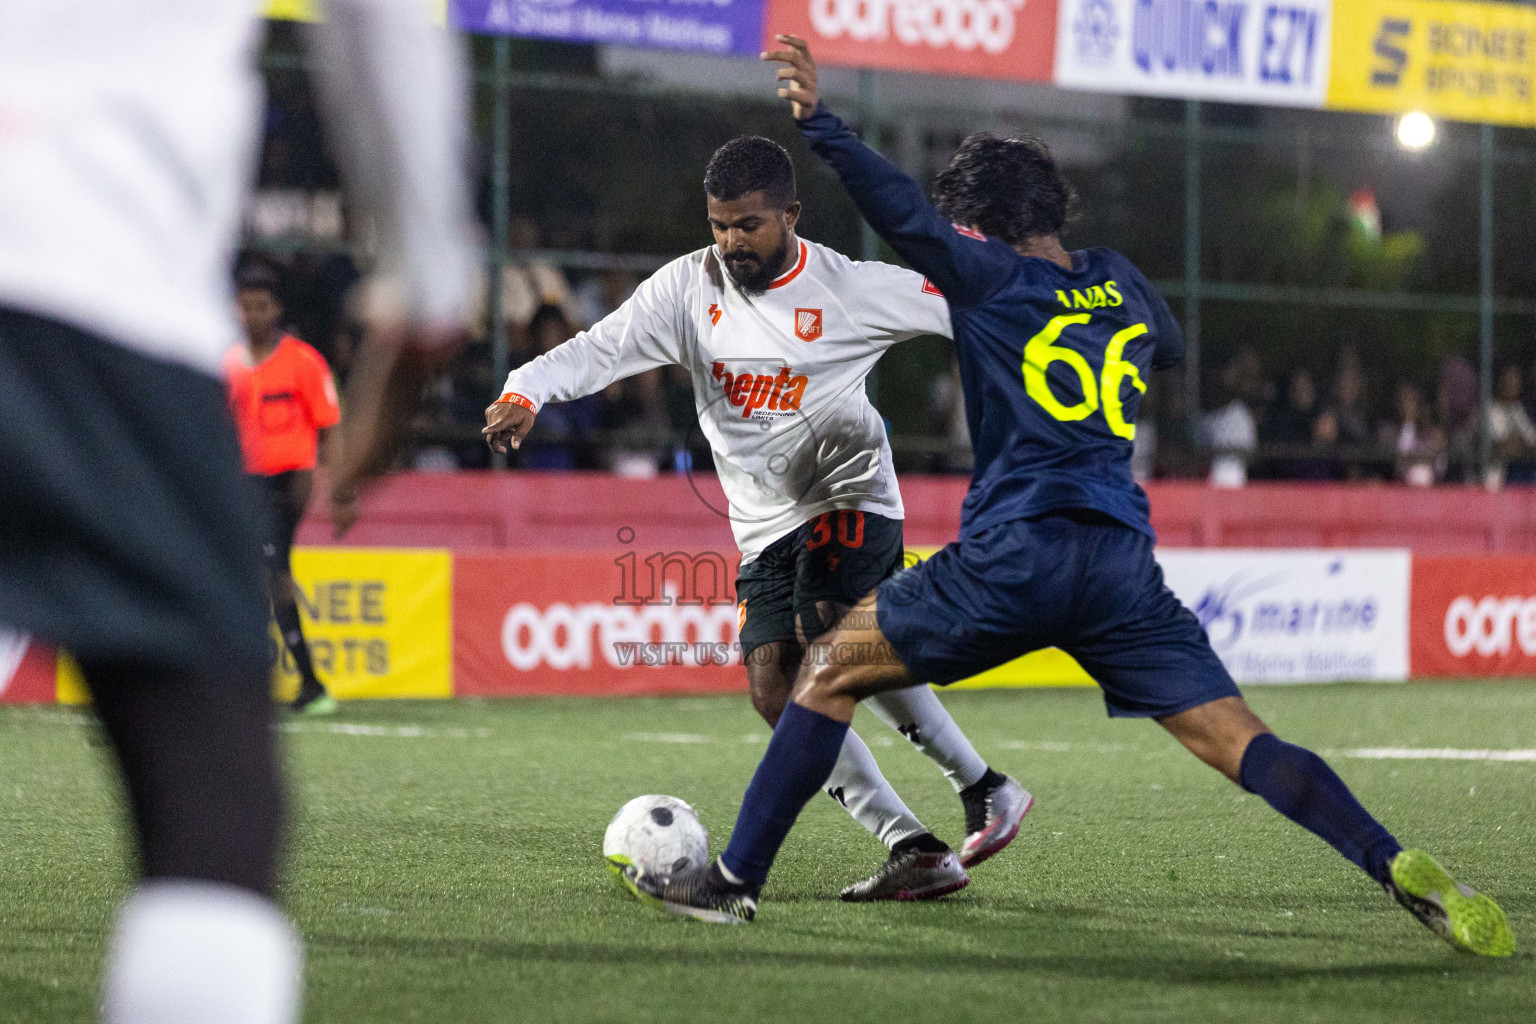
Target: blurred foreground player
<point x="284" y="403"/>
<point x="778" y="334"/>
<point x="1055" y="546"/>
<point x="127" y="135"/>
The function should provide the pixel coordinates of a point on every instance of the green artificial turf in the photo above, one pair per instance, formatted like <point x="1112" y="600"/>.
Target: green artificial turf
<point x="445" y="867"/>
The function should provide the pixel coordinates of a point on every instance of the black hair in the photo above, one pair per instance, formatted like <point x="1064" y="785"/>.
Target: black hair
<point x="751" y="163"/>
<point x="1007" y="188"/>
<point x="549" y="313"/>
<point x="259" y="277"/>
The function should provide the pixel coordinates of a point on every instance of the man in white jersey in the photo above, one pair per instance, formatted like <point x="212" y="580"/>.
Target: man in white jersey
<point x="779" y="334"/>
<point x="127" y="534"/>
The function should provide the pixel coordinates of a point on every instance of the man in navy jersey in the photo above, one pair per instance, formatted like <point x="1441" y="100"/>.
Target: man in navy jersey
<point x="1055" y="547"/>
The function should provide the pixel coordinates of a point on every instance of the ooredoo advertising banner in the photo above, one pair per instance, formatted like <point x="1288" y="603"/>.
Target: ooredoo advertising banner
<point x="1003" y="39"/>
<point x="622" y="622"/>
<point x="711" y="26"/>
<point x="1474" y="616"/>
<point x="1472" y="61"/>
<point x="26" y="669"/>
<point x="1274" y="52"/>
<point x="1298" y="616"/>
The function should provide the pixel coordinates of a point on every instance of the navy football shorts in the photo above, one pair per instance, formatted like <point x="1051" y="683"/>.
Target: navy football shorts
<point x="836" y="557"/>
<point x="1078" y="581"/>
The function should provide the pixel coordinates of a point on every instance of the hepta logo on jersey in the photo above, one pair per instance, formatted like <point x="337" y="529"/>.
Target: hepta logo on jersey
<point x="807" y="324"/>
<point x="751" y="392"/>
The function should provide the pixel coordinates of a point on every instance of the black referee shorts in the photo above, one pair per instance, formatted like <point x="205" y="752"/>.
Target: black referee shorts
<point x="128" y="531"/>
<point x="286" y="496"/>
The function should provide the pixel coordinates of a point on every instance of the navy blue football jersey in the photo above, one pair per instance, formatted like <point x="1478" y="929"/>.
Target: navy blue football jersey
<point x="1054" y="362"/>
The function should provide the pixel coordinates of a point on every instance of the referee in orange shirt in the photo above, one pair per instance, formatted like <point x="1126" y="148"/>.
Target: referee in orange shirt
<point x="284" y="403"/>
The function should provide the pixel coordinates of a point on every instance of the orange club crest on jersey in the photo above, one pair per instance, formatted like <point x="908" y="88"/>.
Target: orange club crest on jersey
<point x="807" y="324"/>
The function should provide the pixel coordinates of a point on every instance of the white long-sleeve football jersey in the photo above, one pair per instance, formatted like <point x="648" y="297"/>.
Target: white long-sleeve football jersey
<point x="778" y="378"/>
<point x="128" y="133"/>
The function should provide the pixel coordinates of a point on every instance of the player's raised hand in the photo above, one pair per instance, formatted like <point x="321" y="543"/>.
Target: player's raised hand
<point x="506" y="424"/>
<point x="797" y="82"/>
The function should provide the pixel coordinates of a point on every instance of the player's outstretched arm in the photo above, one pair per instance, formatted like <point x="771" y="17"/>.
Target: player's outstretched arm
<point x="966" y="269"/>
<point x="644" y="333"/>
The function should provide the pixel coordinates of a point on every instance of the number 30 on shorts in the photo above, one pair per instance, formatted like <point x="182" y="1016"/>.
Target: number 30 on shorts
<point x="1042" y="351"/>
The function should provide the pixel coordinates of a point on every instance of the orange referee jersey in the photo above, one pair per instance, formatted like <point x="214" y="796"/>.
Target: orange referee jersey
<point x="280" y="405"/>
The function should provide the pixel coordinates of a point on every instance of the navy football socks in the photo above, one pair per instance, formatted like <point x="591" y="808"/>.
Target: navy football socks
<point x="799" y="760"/>
<point x="1301" y="786"/>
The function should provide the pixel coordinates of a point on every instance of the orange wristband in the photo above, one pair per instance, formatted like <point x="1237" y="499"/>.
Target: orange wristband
<point x="513" y="398"/>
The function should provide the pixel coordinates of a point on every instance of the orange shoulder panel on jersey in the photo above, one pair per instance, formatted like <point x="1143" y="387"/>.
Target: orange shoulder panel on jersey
<point x="319" y="388"/>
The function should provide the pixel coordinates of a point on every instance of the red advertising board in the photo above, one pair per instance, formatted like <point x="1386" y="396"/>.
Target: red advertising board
<point x="1473" y="616"/>
<point x="27" y="670"/>
<point x="594" y="623"/>
<point x="1003" y="39"/>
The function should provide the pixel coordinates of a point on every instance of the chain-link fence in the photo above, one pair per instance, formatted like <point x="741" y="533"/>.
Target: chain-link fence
<point x="1337" y="318"/>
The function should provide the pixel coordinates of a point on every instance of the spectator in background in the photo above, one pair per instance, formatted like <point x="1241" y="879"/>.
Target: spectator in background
<point x="1511" y="431"/>
<point x="564" y="439"/>
<point x="1231" y="431"/>
<point x="946" y="409"/>
<point x="635" y="410"/>
<point x="1289" y="425"/>
<point x="1456" y="401"/>
<point x="602" y="293"/>
<point x="1348" y="405"/>
<point x="1351" y="426"/>
<point x="527" y="286"/>
<point x="1323" y="463"/>
<point x="1419" y="444"/>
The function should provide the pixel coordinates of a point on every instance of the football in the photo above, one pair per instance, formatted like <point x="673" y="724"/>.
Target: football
<point x="654" y="835"/>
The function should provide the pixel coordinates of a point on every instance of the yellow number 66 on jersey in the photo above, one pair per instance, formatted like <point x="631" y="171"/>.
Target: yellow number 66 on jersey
<point x="1042" y="351"/>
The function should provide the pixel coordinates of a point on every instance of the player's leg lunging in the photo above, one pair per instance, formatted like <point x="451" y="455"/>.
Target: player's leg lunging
<point x="1229" y="737"/>
<point x="920" y="866"/>
<point x="801" y="756"/>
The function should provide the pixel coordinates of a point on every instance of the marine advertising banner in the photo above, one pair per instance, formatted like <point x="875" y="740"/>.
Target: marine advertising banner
<point x="1299" y="616"/>
<point x="1273" y="52"/>
<point x="1465" y="61"/>
<point x="1002" y="39"/>
<point x="709" y="26"/>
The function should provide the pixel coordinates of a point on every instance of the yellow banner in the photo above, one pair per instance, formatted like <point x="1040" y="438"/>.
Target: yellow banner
<point x="1463" y="61"/>
<point x="1050" y="667"/>
<point x="293" y="10"/>
<point x="309" y="10"/>
<point x="378" y="622"/>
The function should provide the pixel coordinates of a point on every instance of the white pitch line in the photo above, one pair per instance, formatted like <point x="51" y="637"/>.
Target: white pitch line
<point x="397" y="732"/>
<point x="1432" y="754"/>
<point x="1058" y="747"/>
<point x="668" y="737"/>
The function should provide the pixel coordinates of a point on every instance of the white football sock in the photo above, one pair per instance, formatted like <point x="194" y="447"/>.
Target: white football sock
<point x="191" y="952"/>
<point x="918" y="715"/>
<point x="857" y="784"/>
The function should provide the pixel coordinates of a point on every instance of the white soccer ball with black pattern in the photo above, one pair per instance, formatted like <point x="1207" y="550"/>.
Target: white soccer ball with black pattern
<point x="655" y="836"/>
